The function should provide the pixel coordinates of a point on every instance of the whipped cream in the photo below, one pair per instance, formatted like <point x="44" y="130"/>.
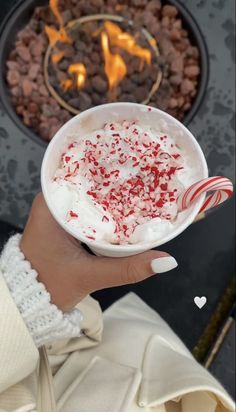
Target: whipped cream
<point x="120" y="184"/>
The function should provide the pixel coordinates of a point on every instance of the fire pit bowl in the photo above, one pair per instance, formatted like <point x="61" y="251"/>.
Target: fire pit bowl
<point x="20" y="16"/>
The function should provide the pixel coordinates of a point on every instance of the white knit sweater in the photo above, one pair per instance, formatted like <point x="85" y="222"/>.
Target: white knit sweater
<point x="45" y="322"/>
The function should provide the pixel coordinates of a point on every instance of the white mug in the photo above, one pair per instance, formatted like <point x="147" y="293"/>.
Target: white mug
<point x="94" y="119"/>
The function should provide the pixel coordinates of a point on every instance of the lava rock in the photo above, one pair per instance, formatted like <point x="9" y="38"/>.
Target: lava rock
<point x="96" y="98"/>
<point x="39" y="80"/>
<point x="95" y="58"/>
<point x="127" y="85"/>
<point x="170" y="11"/>
<point x="54" y="129"/>
<point x="13" y="77"/>
<point x="173" y="103"/>
<point x="37" y="47"/>
<point x="153" y="6"/>
<point x="16" y="91"/>
<point x="43" y="90"/>
<point x="33" y="107"/>
<point x="138" y="3"/>
<point x="19" y="109"/>
<point x="192" y="71"/>
<point x="140" y="93"/>
<point x="97" y="3"/>
<point x="24" y="69"/>
<point x="85" y="100"/>
<point x="44" y="131"/>
<point x="128" y="97"/>
<point x="64" y="64"/>
<point x="181" y="101"/>
<point x="12" y="65"/>
<point x="99" y="84"/>
<point x="66" y="16"/>
<point x="165" y="22"/>
<point x="177" y="24"/>
<point x="192" y="51"/>
<point x="187" y="86"/>
<point x="34" y="70"/>
<point x="166" y="45"/>
<point x="47" y="110"/>
<point x="75" y="102"/>
<point x="27" y="87"/>
<point x="176" y="79"/>
<point x="177" y="65"/>
<point x="175" y="34"/>
<point x="34" y="122"/>
<point x="24" y="53"/>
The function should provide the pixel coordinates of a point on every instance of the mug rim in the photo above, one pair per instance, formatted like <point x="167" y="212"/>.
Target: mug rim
<point x="131" y="247"/>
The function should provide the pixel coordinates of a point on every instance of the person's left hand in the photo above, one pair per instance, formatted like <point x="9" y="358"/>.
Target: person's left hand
<point x="69" y="272"/>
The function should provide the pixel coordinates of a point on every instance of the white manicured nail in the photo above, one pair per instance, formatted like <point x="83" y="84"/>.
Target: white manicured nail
<point x="163" y="264"/>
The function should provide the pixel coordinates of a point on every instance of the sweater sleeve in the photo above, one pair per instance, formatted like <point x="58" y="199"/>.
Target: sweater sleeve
<point x="45" y="322"/>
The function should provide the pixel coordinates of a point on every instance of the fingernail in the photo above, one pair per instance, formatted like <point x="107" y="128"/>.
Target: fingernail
<point x="163" y="264"/>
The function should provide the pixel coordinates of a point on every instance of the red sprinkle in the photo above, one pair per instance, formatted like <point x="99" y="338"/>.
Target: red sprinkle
<point x="91" y="194"/>
<point x="73" y="214"/>
<point x="163" y="186"/>
<point x="160" y="203"/>
<point x="175" y="156"/>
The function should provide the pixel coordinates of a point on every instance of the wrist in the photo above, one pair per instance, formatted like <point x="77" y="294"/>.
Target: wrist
<point x="61" y="281"/>
<point x="45" y="322"/>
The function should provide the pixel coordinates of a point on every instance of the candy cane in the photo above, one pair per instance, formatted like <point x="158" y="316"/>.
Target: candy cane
<point x="221" y="187"/>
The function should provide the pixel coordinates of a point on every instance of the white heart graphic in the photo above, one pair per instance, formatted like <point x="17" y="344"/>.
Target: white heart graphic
<point x="200" y="302"/>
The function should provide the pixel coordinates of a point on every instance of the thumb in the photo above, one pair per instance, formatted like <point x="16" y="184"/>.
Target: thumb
<point x="108" y="272"/>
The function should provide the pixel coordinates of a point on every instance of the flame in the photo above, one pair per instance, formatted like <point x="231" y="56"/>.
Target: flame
<point x="57" y="35"/>
<point x="79" y="70"/>
<point x="111" y="35"/>
<point x="56" y="57"/>
<point x="115" y="67"/>
<point x="126" y="42"/>
<point x="66" y="84"/>
<point x="54" y="7"/>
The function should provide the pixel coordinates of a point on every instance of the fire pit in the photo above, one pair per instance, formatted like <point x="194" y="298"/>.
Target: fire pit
<point x="69" y="56"/>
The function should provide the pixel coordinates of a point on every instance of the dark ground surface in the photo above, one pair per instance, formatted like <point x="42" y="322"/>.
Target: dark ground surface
<point x="205" y="251"/>
<point x="223" y="367"/>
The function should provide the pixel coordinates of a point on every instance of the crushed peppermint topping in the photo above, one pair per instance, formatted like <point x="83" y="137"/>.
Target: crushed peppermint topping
<point x="132" y="176"/>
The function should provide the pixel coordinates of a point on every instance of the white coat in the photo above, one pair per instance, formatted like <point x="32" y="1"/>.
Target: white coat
<point x="128" y="360"/>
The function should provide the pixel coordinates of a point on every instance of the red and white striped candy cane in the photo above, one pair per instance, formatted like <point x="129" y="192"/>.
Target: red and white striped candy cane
<point x="221" y="187"/>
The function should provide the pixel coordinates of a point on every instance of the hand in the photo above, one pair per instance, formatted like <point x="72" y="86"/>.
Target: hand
<point x="68" y="271"/>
